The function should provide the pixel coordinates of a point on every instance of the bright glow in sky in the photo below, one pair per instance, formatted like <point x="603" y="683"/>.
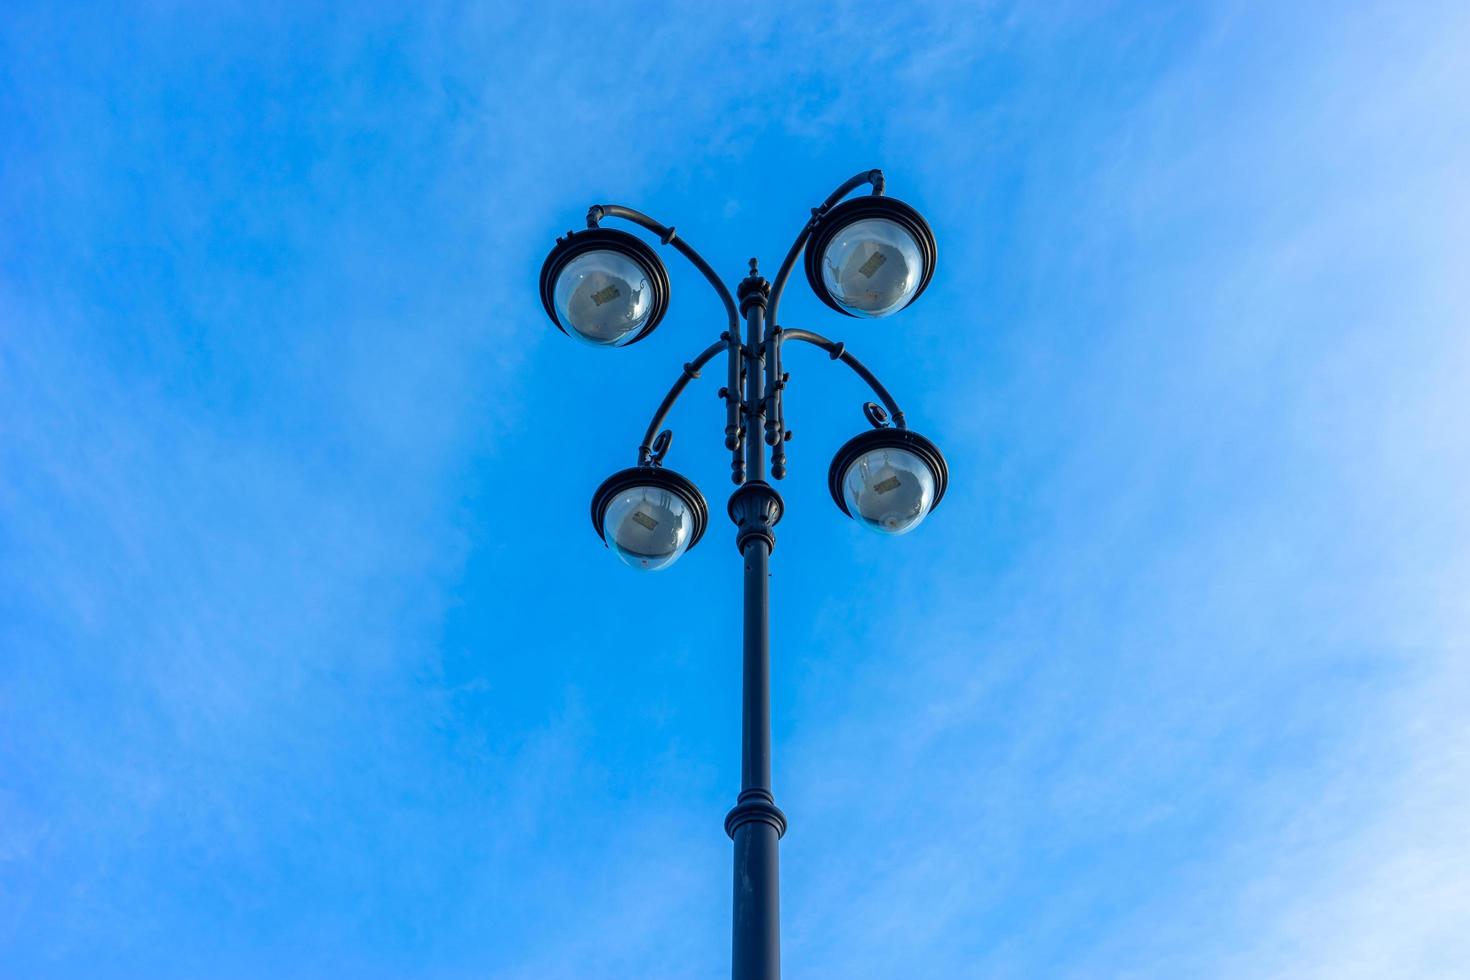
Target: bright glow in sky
<point x="311" y="664"/>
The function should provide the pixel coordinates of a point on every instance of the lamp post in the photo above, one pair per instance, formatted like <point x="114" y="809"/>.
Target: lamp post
<point x="868" y="257"/>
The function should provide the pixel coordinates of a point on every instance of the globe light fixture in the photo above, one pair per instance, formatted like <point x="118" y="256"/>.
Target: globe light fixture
<point x="604" y="287"/>
<point x="649" y="516"/>
<point x="888" y="480"/>
<point x="870" y="256"/>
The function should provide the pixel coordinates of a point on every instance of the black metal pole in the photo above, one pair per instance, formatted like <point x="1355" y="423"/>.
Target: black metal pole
<point x="756" y="824"/>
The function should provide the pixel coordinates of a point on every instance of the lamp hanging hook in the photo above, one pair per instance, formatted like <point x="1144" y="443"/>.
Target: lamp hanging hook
<point x="660" y="447"/>
<point x="877" y="416"/>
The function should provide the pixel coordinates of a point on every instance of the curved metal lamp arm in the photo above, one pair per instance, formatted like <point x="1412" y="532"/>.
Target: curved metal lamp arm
<point x="776" y="435"/>
<point x="837" y="350"/>
<point x="730" y="339"/>
<point x="646" y="451"/>
<point x="873" y="177"/>
<point x="667" y="236"/>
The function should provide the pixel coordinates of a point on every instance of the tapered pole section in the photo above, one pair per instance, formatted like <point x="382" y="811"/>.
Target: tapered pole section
<point x="756" y="824"/>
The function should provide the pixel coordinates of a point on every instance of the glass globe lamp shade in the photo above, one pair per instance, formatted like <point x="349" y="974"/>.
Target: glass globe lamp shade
<point x="872" y="267"/>
<point x="604" y="287"/>
<point x="647" y="527"/>
<point x="888" y="480"/>
<point x="604" y="298"/>
<point x="649" y="516"/>
<point x="870" y="256"/>
<point x="888" y="490"/>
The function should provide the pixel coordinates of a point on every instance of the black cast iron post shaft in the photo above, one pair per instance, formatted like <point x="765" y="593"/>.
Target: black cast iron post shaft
<point x="756" y="824"/>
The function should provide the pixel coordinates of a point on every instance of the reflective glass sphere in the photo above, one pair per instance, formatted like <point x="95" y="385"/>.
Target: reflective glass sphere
<point x="604" y="297"/>
<point x="888" y="490"/>
<point x="648" y="527"/>
<point x="872" y="267"/>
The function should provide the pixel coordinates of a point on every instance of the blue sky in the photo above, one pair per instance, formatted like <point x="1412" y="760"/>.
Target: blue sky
<point x="310" y="662"/>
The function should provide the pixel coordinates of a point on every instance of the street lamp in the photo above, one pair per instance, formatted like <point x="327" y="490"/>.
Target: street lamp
<point x="868" y="256"/>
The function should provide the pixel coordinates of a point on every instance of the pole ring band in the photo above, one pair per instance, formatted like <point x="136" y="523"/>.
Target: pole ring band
<point x="755" y="811"/>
